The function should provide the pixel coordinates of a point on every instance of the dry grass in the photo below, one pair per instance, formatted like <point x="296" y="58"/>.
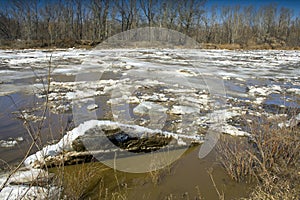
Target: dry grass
<point x="251" y="46"/>
<point x="158" y="169"/>
<point x="270" y="159"/>
<point x="282" y="189"/>
<point x="77" y="181"/>
<point x="90" y="181"/>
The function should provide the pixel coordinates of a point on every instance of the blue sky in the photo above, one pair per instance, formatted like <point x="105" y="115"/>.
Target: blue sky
<point x="292" y="4"/>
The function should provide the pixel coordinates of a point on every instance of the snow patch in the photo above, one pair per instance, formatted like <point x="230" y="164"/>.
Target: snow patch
<point x="181" y="110"/>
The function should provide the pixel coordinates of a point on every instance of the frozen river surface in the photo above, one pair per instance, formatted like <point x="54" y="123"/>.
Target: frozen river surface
<point x="179" y="90"/>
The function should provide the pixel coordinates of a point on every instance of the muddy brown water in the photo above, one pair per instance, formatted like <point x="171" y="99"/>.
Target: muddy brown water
<point x="12" y="127"/>
<point x="189" y="178"/>
<point x="186" y="178"/>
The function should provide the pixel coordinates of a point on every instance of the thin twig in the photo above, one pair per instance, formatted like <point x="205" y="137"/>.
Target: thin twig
<point x="221" y="196"/>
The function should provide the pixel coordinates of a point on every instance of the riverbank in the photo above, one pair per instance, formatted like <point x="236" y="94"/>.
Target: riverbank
<point x="89" y="44"/>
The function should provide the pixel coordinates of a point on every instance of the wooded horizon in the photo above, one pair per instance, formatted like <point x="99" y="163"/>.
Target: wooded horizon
<point x="47" y="23"/>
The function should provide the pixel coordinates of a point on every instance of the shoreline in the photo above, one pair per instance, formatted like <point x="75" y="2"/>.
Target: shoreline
<point x="91" y="45"/>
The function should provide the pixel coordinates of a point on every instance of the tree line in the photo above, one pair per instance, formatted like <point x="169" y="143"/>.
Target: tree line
<point x="67" y="22"/>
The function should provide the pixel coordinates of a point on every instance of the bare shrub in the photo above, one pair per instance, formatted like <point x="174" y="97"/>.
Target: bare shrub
<point x="280" y="189"/>
<point x="238" y="164"/>
<point x="270" y="158"/>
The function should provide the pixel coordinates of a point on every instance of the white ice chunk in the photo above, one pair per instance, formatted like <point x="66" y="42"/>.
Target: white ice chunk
<point x="181" y="142"/>
<point x="18" y="185"/>
<point x="259" y="100"/>
<point x="253" y="91"/>
<point x="294" y="90"/>
<point x="146" y="106"/>
<point x="8" y="144"/>
<point x="65" y="144"/>
<point x="264" y="91"/>
<point x="218" y="116"/>
<point x="181" y="110"/>
<point x="92" y="107"/>
<point x="232" y="130"/>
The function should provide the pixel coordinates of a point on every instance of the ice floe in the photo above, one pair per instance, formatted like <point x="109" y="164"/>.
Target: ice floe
<point x="155" y="97"/>
<point x="181" y="110"/>
<point x="92" y="107"/>
<point x="294" y="90"/>
<point x="232" y="130"/>
<point x="28" y="184"/>
<point x="146" y="106"/>
<point x="65" y="144"/>
<point x="11" y="142"/>
<point x="8" y="144"/>
<point x="259" y="100"/>
<point x="263" y="91"/>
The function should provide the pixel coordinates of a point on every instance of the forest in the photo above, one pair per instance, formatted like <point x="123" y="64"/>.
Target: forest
<point x="68" y="23"/>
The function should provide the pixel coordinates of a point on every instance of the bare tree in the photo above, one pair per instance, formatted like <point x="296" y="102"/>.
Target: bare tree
<point x="269" y="18"/>
<point x="5" y="32"/>
<point x="284" y="23"/>
<point x="100" y="11"/>
<point x="128" y="12"/>
<point x="61" y="22"/>
<point x="188" y="13"/>
<point x="149" y="8"/>
<point x="294" y="37"/>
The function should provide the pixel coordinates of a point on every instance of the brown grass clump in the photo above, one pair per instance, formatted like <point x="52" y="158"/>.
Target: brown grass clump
<point x="90" y="181"/>
<point x="78" y="180"/>
<point x="270" y="158"/>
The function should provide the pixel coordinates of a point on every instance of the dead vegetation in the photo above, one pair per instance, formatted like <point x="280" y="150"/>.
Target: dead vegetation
<point x="270" y="159"/>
